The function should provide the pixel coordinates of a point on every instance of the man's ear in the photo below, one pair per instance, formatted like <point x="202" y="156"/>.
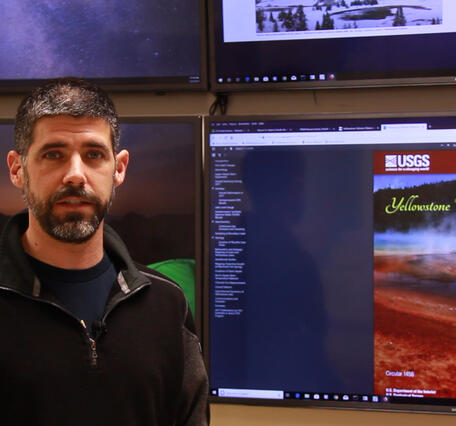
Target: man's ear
<point x="16" y="169"/>
<point x="122" y="159"/>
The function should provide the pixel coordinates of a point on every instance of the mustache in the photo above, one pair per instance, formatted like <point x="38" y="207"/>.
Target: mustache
<point x="71" y="191"/>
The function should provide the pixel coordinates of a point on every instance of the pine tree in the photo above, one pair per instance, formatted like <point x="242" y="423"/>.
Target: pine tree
<point x="289" y="21"/>
<point x="327" y="23"/>
<point x="260" y="18"/>
<point x="271" y="18"/>
<point x="300" y="19"/>
<point x="275" y="28"/>
<point x="282" y="15"/>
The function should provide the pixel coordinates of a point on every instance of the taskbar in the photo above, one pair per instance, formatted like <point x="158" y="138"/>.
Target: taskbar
<point x="327" y="397"/>
<point x="276" y="78"/>
<point x="295" y="395"/>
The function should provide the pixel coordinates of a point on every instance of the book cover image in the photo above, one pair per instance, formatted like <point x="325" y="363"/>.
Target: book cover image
<point x="415" y="273"/>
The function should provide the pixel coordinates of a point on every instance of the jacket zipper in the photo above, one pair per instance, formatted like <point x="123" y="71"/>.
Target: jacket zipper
<point x="92" y="342"/>
<point x="93" y="353"/>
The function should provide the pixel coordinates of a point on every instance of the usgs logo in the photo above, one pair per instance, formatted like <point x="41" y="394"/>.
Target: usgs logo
<point x="407" y="161"/>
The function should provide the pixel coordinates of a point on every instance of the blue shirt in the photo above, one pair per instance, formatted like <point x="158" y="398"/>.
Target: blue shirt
<point x="83" y="292"/>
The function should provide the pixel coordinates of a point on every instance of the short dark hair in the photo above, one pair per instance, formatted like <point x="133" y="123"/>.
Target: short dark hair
<point x="64" y="96"/>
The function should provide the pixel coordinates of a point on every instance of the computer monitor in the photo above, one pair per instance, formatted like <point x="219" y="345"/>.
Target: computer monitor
<point x="277" y="44"/>
<point x="124" y="45"/>
<point x="156" y="210"/>
<point x="329" y="261"/>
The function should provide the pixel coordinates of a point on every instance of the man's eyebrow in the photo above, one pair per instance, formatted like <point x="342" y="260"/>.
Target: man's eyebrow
<point x="98" y="145"/>
<point x="51" y="145"/>
<point x="91" y="144"/>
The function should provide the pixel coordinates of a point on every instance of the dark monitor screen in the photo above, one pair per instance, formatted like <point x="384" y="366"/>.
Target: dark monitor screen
<point x="330" y="253"/>
<point x="152" y="44"/>
<point x="156" y="210"/>
<point x="265" y="44"/>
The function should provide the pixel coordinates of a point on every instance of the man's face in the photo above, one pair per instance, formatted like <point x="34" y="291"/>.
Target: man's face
<point x="69" y="176"/>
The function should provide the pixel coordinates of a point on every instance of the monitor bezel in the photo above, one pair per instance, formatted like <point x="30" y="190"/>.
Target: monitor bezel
<point x="302" y="403"/>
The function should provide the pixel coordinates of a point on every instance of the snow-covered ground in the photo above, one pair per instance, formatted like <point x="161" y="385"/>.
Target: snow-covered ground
<point x="416" y="12"/>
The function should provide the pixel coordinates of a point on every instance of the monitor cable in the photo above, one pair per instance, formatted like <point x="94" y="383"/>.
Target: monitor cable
<point x="221" y="103"/>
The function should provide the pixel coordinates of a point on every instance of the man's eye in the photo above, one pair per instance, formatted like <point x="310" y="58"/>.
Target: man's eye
<point x="94" y="155"/>
<point x="52" y="155"/>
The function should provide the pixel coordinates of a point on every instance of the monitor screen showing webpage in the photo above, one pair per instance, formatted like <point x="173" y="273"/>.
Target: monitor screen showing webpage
<point x="331" y="252"/>
<point x="266" y="44"/>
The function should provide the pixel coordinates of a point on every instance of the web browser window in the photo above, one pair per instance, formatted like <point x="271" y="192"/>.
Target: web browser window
<point x="332" y="245"/>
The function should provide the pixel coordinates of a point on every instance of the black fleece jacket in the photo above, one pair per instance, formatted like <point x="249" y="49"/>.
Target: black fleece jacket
<point x="143" y="367"/>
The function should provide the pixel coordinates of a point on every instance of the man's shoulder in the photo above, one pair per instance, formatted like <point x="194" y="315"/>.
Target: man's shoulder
<point x="160" y="283"/>
<point x="156" y="277"/>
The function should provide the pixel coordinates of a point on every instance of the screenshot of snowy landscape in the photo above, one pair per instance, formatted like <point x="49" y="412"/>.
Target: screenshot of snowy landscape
<point x="276" y="16"/>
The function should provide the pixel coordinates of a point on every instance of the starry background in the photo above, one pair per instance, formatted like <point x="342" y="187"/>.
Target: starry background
<point x="99" y="38"/>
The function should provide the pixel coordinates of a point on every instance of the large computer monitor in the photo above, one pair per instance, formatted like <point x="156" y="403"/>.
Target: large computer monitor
<point x="140" y="44"/>
<point x="274" y="44"/>
<point x="329" y="261"/>
<point x="156" y="210"/>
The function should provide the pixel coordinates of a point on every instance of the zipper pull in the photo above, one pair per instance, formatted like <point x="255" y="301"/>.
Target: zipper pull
<point x="93" y="352"/>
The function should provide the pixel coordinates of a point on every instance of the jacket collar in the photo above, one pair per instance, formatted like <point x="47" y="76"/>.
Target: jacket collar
<point x="17" y="274"/>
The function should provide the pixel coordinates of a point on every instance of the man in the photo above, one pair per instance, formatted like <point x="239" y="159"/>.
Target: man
<point x="87" y="337"/>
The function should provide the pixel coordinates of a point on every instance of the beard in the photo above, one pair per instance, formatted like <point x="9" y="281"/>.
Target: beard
<point x="73" y="227"/>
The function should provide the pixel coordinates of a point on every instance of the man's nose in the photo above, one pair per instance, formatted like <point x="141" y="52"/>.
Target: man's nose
<point x="75" y="172"/>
